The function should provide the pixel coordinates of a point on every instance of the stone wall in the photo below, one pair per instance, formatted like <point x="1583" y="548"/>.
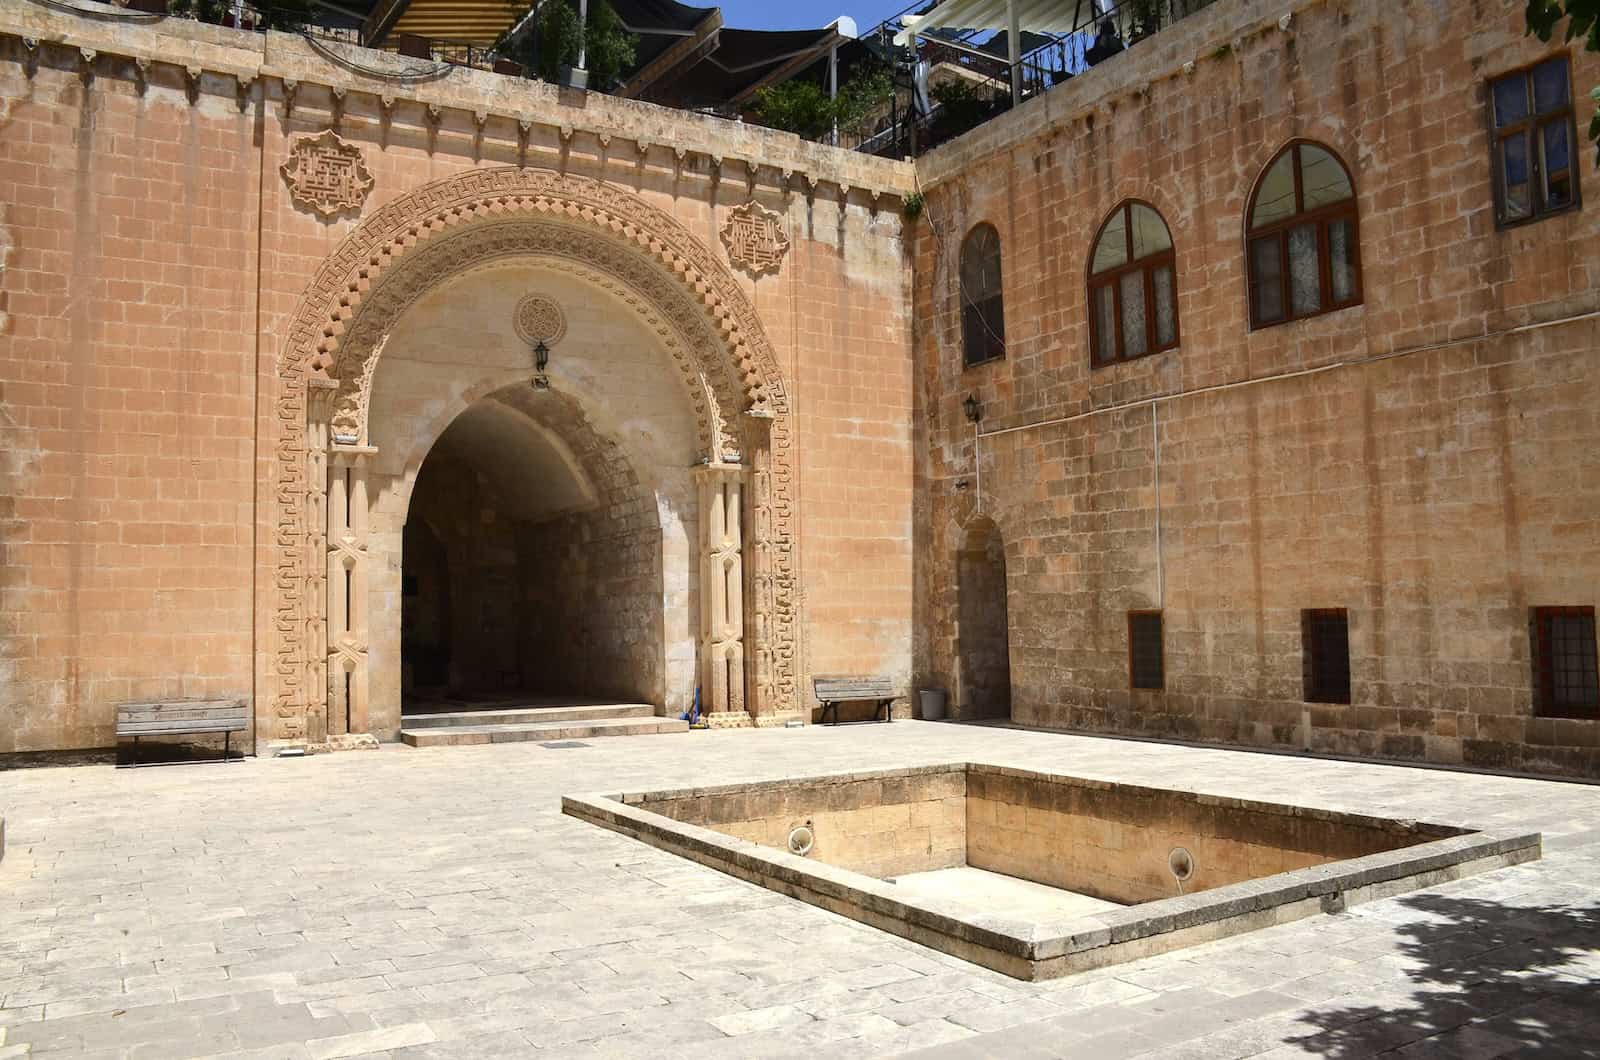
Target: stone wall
<point x="881" y="824"/>
<point x="1114" y="841"/>
<point x="155" y="259"/>
<point x="1428" y="460"/>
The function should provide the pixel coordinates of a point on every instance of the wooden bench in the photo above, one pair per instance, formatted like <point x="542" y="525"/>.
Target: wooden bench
<point x="831" y="691"/>
<point x="180" y="717"/>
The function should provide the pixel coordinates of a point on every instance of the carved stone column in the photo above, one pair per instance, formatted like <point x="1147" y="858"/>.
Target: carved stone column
<point x="347" y="590"/>
<point x="722" y="682"/>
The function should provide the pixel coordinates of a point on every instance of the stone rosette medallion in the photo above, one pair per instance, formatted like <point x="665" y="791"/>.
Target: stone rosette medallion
<point x="755" y="238"/>
<point x="327" y="174"/>
<point x="538" y="318"/>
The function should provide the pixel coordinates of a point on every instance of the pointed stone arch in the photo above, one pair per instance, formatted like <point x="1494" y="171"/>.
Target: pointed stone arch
<point x="334" y="345"/>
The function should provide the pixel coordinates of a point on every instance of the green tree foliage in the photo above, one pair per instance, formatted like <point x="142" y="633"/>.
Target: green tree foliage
<point x="961" y="106"/>
<point x="803" y="107"/>
<point x="560" y="36"/>
<point x="1583" y="20"/>
<point x="864" y="100"/>
<point x="798" y="106"/>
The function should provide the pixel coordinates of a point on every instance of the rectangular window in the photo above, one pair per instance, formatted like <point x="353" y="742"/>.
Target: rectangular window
<point x="1166" y="306"/>
<point x="1105" y="319"/>
<point x="1533" y="129"/>
<point x="1325" y="647"/>
<point x="983" y="330"/>
<point x="1146" y="666"/>
<point x="1342" y="260"/>
<point x="1133" y="321"/>
<point x="1266" y="278"/>
<point x="1305" y="275"/>
<point x="1566" y="679"/>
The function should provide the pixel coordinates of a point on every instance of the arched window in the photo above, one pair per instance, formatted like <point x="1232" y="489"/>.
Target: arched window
<point x="1304" y="257"/>
<point x="1133" y="296"/>
<point x="983" y="319"/>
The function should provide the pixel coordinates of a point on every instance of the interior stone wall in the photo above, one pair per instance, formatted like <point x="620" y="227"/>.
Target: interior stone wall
<point x="881" y="825"/>
<point x="484" y="613"/>
<point x="1112" y="841"/>
<point x="592" y="596"/>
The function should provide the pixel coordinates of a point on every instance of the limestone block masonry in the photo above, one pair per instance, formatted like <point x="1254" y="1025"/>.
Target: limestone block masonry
<point x="1426" y="461"/>
<point x="258" y="293"/>
<point x="225" y="250"/>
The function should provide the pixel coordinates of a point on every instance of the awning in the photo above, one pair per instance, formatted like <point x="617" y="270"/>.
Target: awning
<point x="1036" y="16"/>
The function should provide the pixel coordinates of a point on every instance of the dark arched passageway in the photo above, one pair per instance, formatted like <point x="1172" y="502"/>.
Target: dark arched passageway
<point x="531" y="562"/>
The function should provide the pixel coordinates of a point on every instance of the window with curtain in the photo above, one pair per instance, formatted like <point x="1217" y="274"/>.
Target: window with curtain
<point x="1133" y="295"/>
<point x="983" y="323"/>
<point x="1535" y="133"/>
<point x="1303" y="254"/>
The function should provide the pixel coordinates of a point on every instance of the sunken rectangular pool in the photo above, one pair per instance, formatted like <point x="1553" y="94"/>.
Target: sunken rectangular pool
<point x="1040" y="875"/>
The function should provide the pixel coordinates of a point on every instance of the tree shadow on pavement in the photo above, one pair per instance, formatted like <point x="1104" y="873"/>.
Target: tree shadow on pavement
<point x="1486" y="980"/>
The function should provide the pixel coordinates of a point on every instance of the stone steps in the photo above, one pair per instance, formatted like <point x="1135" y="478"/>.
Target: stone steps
<point x="539" y="731"/>
<point x="527" y="714"/>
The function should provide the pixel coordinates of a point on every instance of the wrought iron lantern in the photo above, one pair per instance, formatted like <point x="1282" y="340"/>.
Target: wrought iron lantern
<point x="973" y="409"/>
<point x="541" y="360"/>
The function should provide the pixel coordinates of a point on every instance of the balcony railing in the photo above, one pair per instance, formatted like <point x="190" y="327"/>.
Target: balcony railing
<point x="918" y="120"/>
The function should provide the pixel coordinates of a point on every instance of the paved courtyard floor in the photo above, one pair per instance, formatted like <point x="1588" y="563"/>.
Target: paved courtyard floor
<point x="436" y="903"/>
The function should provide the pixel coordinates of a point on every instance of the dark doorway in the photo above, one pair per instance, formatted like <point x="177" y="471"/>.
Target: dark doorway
<point x="982" y="623"/>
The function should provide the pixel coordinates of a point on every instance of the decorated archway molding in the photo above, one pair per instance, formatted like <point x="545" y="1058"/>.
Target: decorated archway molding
<point x="318" y="610"/>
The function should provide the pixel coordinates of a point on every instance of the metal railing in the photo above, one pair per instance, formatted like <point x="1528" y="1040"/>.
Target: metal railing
<point x="1101" y="30"/>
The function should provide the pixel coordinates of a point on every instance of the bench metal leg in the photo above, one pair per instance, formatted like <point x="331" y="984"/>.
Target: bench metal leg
<point x="225" y="738"/>
<point x="888" y="709"/>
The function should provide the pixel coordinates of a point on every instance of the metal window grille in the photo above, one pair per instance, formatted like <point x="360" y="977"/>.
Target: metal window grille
<point x="1325" y="642"/>
<point x="983" y="323"/>
<point x="1146" y="664"/>
<point x="1566" y="674"/>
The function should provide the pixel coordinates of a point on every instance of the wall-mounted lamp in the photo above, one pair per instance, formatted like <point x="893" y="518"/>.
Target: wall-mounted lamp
<point x="973" y="410"/>
<point x="541" y="360"/>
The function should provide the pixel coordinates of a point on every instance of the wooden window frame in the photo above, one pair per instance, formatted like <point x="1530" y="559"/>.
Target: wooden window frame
<point x="1148" y="265"/>
<point x="1314" y="676"/>
<point x="1543" y="669"/>
<point x="995" y="338"/>
<point x="1323" y="217"/>
<point x="1533" y="125"/>
<point x="1161" y="648"/>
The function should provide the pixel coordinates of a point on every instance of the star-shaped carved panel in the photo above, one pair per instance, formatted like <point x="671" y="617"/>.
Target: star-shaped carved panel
<point x="327" y="174"/>
<point x="755" y="238"/>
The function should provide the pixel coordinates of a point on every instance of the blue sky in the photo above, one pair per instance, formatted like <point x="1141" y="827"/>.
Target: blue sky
<point x="802" y="14"/>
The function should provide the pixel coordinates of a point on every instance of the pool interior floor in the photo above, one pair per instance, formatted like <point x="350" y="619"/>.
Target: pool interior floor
<point x="997" y="894"/>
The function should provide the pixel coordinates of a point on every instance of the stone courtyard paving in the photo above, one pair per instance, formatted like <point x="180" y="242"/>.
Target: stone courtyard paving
<point x="436" y="903"/>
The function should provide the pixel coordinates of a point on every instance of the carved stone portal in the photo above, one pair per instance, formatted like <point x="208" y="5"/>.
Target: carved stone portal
<point x="327" y="174"/>
<point x="755" y="238"/>
<point x="609" y="223"/>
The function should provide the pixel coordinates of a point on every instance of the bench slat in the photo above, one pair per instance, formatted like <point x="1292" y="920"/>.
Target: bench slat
<point x="150" y="718"/>
<point x="154" y="715"/>
<point x="827" y="688"/>
<point x="156" y="728"/>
